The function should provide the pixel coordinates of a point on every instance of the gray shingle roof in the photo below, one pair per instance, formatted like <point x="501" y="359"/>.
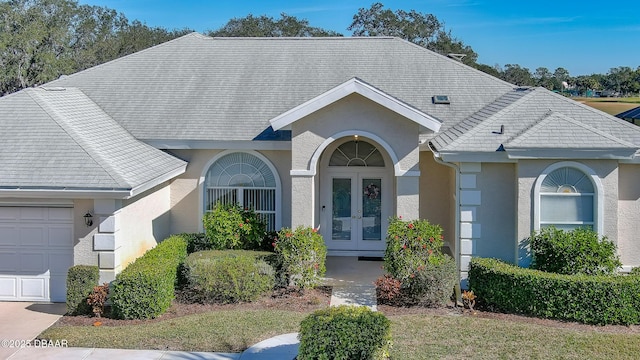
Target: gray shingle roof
<point x="201" y="88"/>
<point x="60" y="139"/>
<point x="537" y="118"/>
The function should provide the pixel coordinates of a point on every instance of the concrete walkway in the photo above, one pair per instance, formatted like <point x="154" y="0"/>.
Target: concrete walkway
<point x="352" y="282"/>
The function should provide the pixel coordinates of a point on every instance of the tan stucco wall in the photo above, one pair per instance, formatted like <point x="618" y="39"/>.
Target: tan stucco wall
<point x="83" y="253"/>
<point x="527" y="173"/>
<point x="437" y="195"/>
<point x="355" y="112"/>
<point x="185" y="194"/>
<point x="142" y="222"/>
<point x="629" y="214"/>
<point x="496" y="213"/>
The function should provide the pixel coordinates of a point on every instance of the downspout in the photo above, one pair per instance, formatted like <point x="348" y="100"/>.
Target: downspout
<point x="456" y="228"/>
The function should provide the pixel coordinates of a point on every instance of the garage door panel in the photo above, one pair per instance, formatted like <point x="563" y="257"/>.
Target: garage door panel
<point x="9" y="235"/>
<point x="60" y="215"/>
<point x="34" y="287"/>
<point x="36" y="250"/>
<point x="60" y="236"/>
<point x="33" y="235"/>
<point x="9" y="214"/>
<point x="33" y="263"/>
<point x="59" y="263"/>
<point x="33" y="214"/>
<point x="8" y="288"/>
<point x="8" y="262"/>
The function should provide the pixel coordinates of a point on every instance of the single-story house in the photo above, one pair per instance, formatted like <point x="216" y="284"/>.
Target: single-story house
<point x="342" y="133"/>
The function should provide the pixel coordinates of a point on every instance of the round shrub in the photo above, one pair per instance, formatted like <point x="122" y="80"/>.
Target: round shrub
<point x="229" y="276"/>
<point x="229" y="226"/>
<point x="301" y="256"/>
<point x="345" y="332"/>
<point x="80" y="282"/>
<point x="579" y="251"/>
<point x="432" y="284"/>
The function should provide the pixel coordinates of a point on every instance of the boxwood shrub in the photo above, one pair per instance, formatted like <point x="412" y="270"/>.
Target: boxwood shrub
<point x="595" y="299"/>
<point x="229" y="276"/>
<point x="80" y="282"/>
<point x="345" y="332"/>
<point x="145" y="288"/>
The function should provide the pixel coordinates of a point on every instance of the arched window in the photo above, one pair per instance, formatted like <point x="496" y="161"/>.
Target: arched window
<point x="356" y="153"/>
<point x="244" y="179"/>
<point x="567" y="199"/>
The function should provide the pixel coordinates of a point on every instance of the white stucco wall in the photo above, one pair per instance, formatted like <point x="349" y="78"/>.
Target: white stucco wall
<point x="629" y="215"/>
<point x="83" y="253"/>
<point x="185" y="193"/>
<point x="527" y="173"/>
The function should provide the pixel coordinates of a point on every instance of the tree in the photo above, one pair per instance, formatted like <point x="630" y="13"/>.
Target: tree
<point x="561" y="78"/>
<point x="543" y="77"/>
<point x="266" y="26"/>
<point x="419" y="28"/>
<point x="43" y="39"/>
<point x="518" y="75"/>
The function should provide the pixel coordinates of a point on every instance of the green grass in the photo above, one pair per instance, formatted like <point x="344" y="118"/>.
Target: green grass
<point x="414" y="336"/>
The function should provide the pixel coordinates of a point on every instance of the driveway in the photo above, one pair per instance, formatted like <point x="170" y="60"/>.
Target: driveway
<point x="23" y="321"/>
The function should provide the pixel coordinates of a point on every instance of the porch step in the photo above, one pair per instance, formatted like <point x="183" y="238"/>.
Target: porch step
<point x="362" y="295"/>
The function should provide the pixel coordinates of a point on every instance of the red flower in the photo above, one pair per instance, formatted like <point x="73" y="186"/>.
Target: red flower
<point x="419" y="238"/>
<point x="412" y="276"/>
<point x="400" y="217"/>
<point x="431" y="239"/>
<point x="273" y="244"/>
<point x="289" y="235"/>
<point x="404" y="246"/>
<point x="424" y="246"/>
<point x="316" y="266"/>
<point x="314" y="230"/>
<point x="240" y="224"/>
<point x="430" y="251"/>
<point x="441" y="237"/>
<point x="410" y="226"/>
<point x="396" y="237"/>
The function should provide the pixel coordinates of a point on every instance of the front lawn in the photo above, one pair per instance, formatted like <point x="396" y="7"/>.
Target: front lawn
<point x="419" y="335"/>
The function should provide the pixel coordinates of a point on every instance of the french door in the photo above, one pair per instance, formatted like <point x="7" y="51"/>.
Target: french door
<point x="355" y="210"/>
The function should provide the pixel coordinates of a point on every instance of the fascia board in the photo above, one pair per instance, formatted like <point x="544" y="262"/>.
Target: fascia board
<point x="495" y="157"/>
<point x="65" y="193"/>
<point x="159" y="180"/>
<point x="618" y="153"/>
<point x="352" y="86"/>
<point x="218" y="145"/>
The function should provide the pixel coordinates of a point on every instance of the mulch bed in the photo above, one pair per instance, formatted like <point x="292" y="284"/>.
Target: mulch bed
<point x="311" y="300"/>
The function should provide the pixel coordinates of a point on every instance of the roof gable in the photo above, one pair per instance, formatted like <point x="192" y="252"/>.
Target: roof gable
<point x="355" y="86"/>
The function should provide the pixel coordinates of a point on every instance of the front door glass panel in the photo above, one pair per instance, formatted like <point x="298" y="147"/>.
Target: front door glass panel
<point x="341" y="217"/>
<point x="371" y="209"/>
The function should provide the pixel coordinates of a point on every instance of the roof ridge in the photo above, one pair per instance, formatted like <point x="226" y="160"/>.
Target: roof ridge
<point x="75" y="135"/>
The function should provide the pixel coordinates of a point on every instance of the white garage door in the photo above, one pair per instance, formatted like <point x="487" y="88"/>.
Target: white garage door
<point x="36" y="250"/>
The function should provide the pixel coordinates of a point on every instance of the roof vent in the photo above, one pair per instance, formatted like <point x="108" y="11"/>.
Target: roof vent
<point x="458" y="57"/>
<point x="441" y="99"/>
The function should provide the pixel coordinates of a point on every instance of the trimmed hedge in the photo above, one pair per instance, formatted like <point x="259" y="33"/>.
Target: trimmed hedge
<point x="145" y="288"/>
<point x="301" y="256"/>
<point x="345" y="332"/>
<point x="613" y="299"/>
<point x="229" y="276"/>
<point x="80" y="282"/>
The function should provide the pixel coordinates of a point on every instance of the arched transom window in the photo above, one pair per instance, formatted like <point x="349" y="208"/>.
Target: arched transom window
<point x="567" y="199"/>
<point x="243" y="178"/>
<point x="356" y="153"/>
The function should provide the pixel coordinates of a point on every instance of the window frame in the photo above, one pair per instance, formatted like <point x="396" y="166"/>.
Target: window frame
<point x="597" y="196"/>
<point x="203" y="189"/>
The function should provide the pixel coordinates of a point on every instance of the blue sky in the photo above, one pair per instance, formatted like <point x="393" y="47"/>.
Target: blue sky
<point x="584" y="37"/>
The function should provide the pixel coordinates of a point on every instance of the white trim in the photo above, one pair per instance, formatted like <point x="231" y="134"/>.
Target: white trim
<point x="598" y="197"/>
<point x="66" y="193"/>
<point x="219" y="144"/>
<point x="531" y="153"/>
<point x="355" y="85"/>
<point x="313" y="163"/>
<point x="159" y="180"/>
<point x="264" y="159"/>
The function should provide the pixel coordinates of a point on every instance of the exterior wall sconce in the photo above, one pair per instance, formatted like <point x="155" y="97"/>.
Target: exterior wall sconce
<point x="88" y="219"/>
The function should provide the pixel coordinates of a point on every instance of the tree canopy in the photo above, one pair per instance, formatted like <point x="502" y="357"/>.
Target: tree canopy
<point x="266" y="26"/>
<point x="419" y="28"/>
